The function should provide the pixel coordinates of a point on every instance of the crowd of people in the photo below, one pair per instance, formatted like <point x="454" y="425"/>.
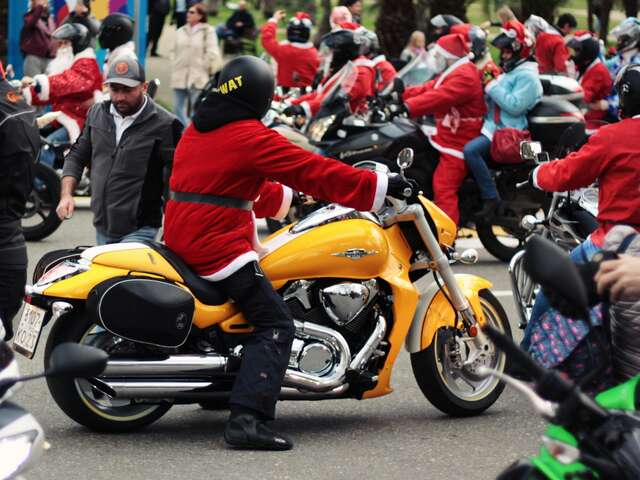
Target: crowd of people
<point x="134" y="146"/>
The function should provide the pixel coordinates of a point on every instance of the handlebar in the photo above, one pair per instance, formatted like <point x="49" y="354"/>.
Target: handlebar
<point x="522" y="185"/>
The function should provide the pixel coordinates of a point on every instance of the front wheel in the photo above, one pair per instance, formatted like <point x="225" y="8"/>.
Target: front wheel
<point x="455" y="390"/>
<point x="499" y="241"/>
<point x="79" y="399"/>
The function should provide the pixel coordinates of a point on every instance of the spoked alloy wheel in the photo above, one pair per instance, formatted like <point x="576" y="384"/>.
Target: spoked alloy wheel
<point x="80" y="399"/>
<point x="453" y="386"/>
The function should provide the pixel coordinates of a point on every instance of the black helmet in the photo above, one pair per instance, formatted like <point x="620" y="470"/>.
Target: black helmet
<point x="478" y="39"/>
<point x="249" y="81"/>
<point x="76" y="33"/>
<point x="345" y="45"/>
<point x="628" y="88"/>
<point x="116" y="29"/>
<point x="513" y="37"/>
<point x="299" y="28"/>
<point x="443" y="23"/>
<point x="585" y="50"/>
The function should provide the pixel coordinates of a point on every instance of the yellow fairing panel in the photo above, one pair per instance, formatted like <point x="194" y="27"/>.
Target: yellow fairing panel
<point x="441" y="314"/>
<point x="80" y="285"/>
<point x="447" y="228"/>
<point x="140" y="260"/>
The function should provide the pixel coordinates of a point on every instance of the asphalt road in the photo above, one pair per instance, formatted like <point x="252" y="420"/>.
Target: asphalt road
<point x="397" y="436"/>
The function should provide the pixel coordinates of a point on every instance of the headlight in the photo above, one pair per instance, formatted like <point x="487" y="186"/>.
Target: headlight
<point x="562" y="452"/>
<point x="318" y="128"/>
<point x="17" y="451"/>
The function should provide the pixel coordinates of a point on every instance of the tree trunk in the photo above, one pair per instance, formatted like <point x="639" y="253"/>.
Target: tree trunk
<point x="590" y="14"/>
<point x="422" y="11"/>
<point x="543" y="8"/>
<point x="603" y="16"/>
<point x="396" y="21"/>
<point x="631" y="8"/>
<point x="324" y="26"/>
<point x="4" y="16"/>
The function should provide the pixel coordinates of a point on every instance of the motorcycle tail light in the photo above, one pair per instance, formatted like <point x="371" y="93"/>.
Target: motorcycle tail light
<point x="562" y="452"/>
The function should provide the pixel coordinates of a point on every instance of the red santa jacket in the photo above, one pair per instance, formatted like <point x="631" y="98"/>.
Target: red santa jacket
<point x="611" y="156"/>
<point x="457" y="101"/>
<point x="217" y="241"/>
<point x="597" y="84"/>
<point x="386" y="74"/>
<point x="363" y="88"/>
<point x="71" y="92"/>
<point x="551" y="53"/>
<point x="297" y="62"/>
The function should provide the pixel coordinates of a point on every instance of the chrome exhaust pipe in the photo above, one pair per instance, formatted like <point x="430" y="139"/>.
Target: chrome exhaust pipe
<point x="171" y="366"/>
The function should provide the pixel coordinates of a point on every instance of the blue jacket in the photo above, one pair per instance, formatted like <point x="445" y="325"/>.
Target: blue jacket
<point x="515" y="93"/>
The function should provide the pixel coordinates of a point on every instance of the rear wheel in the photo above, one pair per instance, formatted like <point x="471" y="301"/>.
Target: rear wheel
<point x="460" y="391"/>
<point x="499" y="241"/>
<point x="83" y="402"/>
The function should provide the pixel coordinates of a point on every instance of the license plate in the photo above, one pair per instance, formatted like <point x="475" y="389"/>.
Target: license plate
<point x="29" y="329"/>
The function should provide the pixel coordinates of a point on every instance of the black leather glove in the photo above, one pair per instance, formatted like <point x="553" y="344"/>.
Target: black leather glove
<point x="401" y="188"/>
<point x="297" y="199"/>
<point x="293" y="110"/>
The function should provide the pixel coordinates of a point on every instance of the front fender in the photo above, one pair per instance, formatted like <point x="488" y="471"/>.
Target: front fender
<point x="434" y="310"/>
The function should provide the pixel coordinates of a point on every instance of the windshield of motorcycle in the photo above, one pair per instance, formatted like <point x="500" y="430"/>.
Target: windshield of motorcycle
<point x="340" y="84"/>
<point x="419" y="70"/>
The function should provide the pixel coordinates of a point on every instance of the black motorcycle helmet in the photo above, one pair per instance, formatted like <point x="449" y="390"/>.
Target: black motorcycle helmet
<point x="299" y="28"/>
<point x="628" y="88"/>
<point x="585" y="51"/>
<point x="442" y="25"/>
<point x="76" y="33"/>
<point x="116" y="29"/>
<point x="249" y="81"/>
<point x="478" y="38"/>
<point x="344" y="44"/>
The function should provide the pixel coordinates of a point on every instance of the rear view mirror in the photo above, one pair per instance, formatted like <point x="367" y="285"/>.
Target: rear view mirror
<point x="405" y="158"/>
<point x="551" y="267"/>
<point x="75" y="360"/>
<point x="530" y="150"/>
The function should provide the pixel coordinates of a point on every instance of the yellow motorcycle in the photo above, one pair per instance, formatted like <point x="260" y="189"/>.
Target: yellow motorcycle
<point x="359" y="285"/>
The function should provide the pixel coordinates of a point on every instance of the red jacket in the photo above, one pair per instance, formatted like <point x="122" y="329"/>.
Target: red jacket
<point x="297" y="62"/>
<point x="217" y="241"/>
<point x="597" y="84"/>
<point x="387" y="71"/>
<point x="612" y="156"/>
<point x="363" y="88"/>
<point x="551" y="53"/>
<point x="457" y="101"/>
<point x="71" y="92"/>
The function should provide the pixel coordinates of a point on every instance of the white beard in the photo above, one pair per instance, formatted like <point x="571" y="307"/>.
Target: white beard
<point x="62" y="61"/>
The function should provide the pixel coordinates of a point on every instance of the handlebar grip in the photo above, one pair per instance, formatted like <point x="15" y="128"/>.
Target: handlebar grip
<point x="514" y="352"/>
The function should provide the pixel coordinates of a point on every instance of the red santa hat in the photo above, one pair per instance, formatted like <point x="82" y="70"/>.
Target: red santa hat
<point x="517" y="31"/>
<point x="581" y="35"/>
<point x="302" y="18"/>
<point x="463" y="29"/>
<point x="452" y="46"/>
<point x="349" y="26"/>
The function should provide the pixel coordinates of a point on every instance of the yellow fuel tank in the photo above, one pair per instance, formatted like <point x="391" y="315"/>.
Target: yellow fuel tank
<point x="348" y="248"/>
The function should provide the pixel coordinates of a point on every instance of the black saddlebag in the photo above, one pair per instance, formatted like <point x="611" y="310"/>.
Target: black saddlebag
<point x="144" y="310"/>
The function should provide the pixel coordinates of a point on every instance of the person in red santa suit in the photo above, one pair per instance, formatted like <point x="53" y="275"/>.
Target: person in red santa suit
<point x="612" y="158"/>
<point x="345" y="46"/>
<point x="550" y="50"/>
<point x="71" y="92"/>
<point x="210" y="224"/>
<point x="456" y="99"/>
<point x="384" y="70"/>
<point x="297" y="58"/>
<point x="593" y="75"/>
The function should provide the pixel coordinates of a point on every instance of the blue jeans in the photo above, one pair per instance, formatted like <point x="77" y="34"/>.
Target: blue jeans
<point x="476" y="154"/>
<point x="581" y="254"/>
<point x="48" y="156"/>
<point x="142" y="234"/>
<point x="183" y="98"/>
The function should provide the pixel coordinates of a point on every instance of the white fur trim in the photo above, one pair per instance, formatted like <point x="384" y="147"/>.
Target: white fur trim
<point x="26" y="93"/>
<point x="86" y="53"/>
<point x="363" y="62"/>
<point x="273" y="20"/>
<point x="99" y="96"/>
<point x="443" y="52"/>
<point x="235" y="265"/>
<point x="287" y="196"/>
<point x="307" y="109"/>
<point x="379" y="59"/>
<point x="45" y="90"/>
<point x="450" y="69"/>
<point x="381" y="191"/>
<point x="447" y="150"/>
<point x="535" y="178"/>
<point x="73" y="129"/>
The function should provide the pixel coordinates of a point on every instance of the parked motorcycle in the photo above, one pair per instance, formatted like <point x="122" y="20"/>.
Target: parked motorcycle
<point x="359" y="285"/>
<point x="337" y="133"/>
<point x="588" y="438"/>
<point x="22" y="440"/>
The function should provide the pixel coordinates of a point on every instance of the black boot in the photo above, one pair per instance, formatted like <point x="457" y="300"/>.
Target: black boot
<point x="246" y="431"/>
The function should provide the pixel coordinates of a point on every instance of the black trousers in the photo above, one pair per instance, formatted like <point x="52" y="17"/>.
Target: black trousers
<point x="266" y="353"/>
<point x="156" y="24"/>
<point x="12" y="282"/>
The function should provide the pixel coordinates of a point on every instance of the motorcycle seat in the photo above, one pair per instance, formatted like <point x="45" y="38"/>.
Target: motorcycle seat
<point x="206" y="292"/>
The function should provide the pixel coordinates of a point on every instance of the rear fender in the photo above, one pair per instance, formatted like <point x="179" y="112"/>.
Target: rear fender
<point x="434" y="310"/>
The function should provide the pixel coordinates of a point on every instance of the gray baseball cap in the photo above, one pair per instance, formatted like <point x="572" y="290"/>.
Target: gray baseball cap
<point x="125" y="70"/>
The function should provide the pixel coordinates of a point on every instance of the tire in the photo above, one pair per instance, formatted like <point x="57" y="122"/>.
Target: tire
<point x="428" y="369"/>
<point x="67" y="391"/>
<point x="43" y="200"/>
<point x="493" y="245"/>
